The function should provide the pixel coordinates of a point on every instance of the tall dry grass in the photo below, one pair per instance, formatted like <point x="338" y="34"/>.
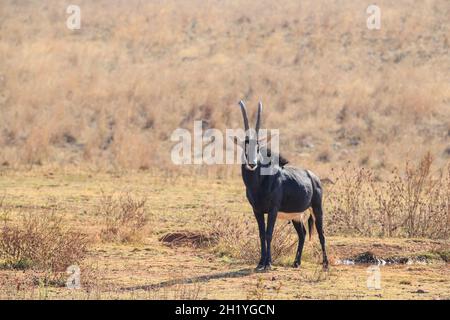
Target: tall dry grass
<point x="109" y="95"/>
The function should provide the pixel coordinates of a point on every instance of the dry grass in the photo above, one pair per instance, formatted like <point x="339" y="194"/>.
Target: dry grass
<point x="261" y="289"/>
<point x="125" y="217"/>
<point x="109" y="95"/>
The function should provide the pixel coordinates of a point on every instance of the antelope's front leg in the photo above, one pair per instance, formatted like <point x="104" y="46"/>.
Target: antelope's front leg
<point x="269" y="232"/>
<point x="262" y="236"/>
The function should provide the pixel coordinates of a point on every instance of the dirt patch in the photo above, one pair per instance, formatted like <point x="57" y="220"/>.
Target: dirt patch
<point x="187" y="238"/>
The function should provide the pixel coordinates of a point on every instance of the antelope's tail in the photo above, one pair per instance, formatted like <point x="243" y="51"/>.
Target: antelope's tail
<point x="317" y="196"/>
<point x="311" y="224"/>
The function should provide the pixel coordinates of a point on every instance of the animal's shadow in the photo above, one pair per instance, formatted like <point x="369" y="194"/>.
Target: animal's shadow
<point x="191" y="280"/>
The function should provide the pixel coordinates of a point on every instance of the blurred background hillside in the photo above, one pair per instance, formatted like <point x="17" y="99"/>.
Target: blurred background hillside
<point x="108" y="96"/>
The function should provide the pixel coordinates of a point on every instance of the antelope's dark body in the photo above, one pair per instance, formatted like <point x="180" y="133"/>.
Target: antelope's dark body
<point x="290" y="189"/>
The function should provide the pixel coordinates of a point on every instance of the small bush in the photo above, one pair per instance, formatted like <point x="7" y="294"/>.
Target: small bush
<point x="125" y="218"/>
<point x="43" y="243"/>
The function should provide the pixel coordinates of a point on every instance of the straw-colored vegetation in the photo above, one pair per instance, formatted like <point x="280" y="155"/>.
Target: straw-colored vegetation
<point x="85" y="123"/>
<point x="110" y="94"/>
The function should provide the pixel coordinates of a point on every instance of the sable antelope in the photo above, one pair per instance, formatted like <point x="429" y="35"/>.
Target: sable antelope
<point x="285" y="193"/>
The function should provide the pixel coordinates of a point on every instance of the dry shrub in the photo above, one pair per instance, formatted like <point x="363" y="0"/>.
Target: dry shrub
<point x="125" y="217"/>
<point x="238" y="238"/>
<point x="43" y="243"/>
<point x="417" y="203"/>
<point x="349" y="210"/>
<point x="414" y="203"/>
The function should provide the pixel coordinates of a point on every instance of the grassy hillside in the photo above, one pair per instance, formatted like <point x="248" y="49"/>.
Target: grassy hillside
<point x="110" y="94"/>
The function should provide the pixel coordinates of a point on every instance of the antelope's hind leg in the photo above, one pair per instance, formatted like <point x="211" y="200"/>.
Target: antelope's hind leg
<point x="318" y="215"/>
<point x="316" y="204"/>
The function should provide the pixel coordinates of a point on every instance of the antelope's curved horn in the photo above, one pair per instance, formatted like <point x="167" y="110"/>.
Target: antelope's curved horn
<point x="258" y="118"/>
<point x="244" y="115"/>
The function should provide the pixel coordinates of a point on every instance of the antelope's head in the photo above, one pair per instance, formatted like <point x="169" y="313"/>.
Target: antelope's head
<point x="252" y="141"/>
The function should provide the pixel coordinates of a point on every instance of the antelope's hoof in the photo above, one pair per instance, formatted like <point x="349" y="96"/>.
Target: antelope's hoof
<point x="268" y="267"/>
<point x="325" y="266"/>
<point x="296" y="264"/>
<point x="259" y="268"/>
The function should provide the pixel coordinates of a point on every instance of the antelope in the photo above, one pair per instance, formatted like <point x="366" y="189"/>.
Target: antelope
<point x="285" y="193"/>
